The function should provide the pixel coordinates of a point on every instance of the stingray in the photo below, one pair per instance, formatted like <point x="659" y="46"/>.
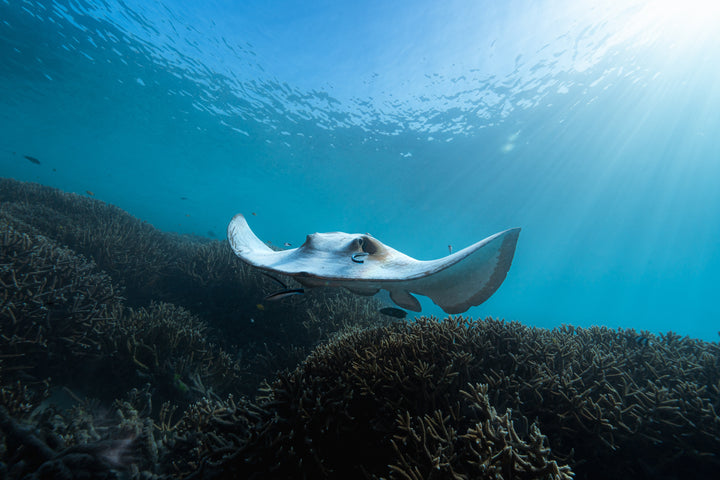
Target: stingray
<point x="364" y="265"/>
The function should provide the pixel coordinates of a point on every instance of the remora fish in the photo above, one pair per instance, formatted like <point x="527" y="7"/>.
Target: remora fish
<point x="273" y="297"/>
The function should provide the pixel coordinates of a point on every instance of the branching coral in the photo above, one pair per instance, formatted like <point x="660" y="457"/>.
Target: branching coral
<point x="83" y="442"/>
<point x="373" y="399"/>
<point x="383" y="403"/>
<point x="52" y="304"/>
<point x="429" y="447"/>
<point x="60" y="317"/>
<point x="167" y="345"/>
<point x="399" y="396"/>
<point x="204" y="277"/>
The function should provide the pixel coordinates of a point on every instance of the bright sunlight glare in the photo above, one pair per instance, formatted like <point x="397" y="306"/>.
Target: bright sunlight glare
<point x="676" y="21"/>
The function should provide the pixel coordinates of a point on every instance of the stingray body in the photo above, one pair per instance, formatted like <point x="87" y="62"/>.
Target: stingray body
<point x="364" y="265"/>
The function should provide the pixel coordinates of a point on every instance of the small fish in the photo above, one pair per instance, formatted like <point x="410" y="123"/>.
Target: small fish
<point x="54" y="169"/>
<point x="359" y="257"/>
<point x="287" y="244"/>
<point x="450" y="248"/>
<point x="274" y="297"/>
<point x="642" y="340"/>
<point x="393" y="312"/>
<point x="32" y="159"/>
<point x="90" y="193"/>
<point x="183" y="198"/>
<point x="260" y="307"/>
<point x="187" y="214"/>
<point x="211" y="234"/>
<point x="254" y="214"/>
<point x="179" y="384"/>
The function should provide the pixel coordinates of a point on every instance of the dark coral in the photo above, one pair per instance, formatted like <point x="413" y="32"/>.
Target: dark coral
<point x="400" y="402"/>
<point x="202" y="276"/>
<point x="115" y="361"/>
<point x="85" y="441"/>
<point x="53" y="305"/>
<point x="85" y="309"/>
<point x="62" y="318"/>
<point x="391" y="402"/>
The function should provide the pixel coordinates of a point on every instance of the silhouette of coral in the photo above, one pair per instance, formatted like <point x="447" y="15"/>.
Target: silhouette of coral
<point x="95" y="303"/>
<point x="400" y="402"/>
<point x="54" y="304"/>
<point x="84" y="310"/>
<point x="204" y="277"/>
<point x="62" y="318"/>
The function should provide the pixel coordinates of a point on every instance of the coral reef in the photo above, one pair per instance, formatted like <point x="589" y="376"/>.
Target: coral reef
<point x="84" y="441"/>
<point x="126" y="352"/>
<point x="204" y="277"/>
<point x="403" y="402"/>
<point x="53" y="305"/>
<point x="133" y="252"/>
<point x="62" y="318"/>
<point x="85" y="311"/>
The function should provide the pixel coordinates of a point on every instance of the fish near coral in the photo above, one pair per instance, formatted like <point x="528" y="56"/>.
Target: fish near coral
<point x="274" y="297"/>
<point x="364" y="266"/>
<point x="393" y="312"/>
<point x="179" y="384"/>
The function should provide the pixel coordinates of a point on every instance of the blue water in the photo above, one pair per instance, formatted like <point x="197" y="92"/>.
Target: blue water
<point x="593" y="125"/>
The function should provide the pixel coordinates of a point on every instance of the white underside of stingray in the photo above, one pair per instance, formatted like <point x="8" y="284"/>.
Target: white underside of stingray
<point x="364" y="265"/>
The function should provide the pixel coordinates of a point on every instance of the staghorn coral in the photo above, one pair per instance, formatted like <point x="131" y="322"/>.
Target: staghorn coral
<point x="430" y="447"/>
<point x="85" y="441"/>
<point x="380" y="403"/>
<point x="166" y="345"/>
<point x="53" y="303"/>
<point x="64" y="323"/>
<point x="62" y="318"/>
<point x="400" y="401"/>
<point x="394" y="402"/>
<point x="207" y="433"/>
<point x="131" y="251"/>
<point x="150" y="264"/>
<point x="202" y="276"/>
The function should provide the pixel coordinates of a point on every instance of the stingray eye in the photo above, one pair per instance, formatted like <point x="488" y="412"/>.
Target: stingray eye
<point x="368" y="245"/>
<point x="360" y="241"/>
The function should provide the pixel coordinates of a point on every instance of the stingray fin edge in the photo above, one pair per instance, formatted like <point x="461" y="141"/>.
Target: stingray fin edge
<point x="502" y="266"/>
<point x="243" y="241"/>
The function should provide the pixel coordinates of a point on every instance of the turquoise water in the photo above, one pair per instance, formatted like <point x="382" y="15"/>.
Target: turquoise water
<point x="592" y="125"/>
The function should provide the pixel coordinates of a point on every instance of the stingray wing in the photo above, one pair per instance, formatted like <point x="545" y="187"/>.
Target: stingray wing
<point x="461" y="280"/>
